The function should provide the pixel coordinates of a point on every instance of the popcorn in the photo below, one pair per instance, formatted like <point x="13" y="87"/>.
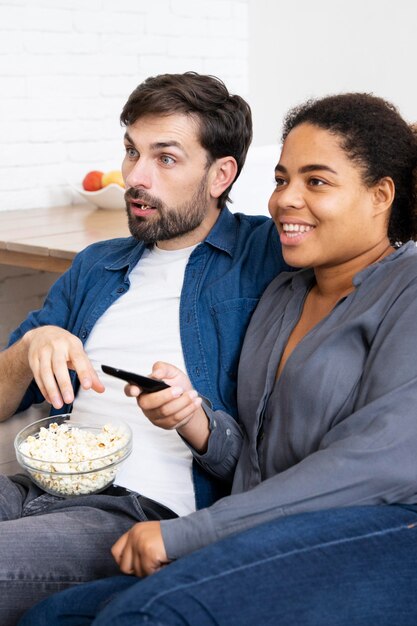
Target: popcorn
<point x="72" y="461"/>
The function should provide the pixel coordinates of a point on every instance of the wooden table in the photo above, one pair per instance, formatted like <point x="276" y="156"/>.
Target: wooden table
<point x="48" y="239"/>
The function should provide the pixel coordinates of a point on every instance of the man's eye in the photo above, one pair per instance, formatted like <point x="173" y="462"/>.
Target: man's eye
<point x="131" y="152"/>
<point x="167" y="160"/>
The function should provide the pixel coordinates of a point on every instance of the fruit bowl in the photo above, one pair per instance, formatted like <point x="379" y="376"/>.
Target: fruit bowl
<point x="110" y="197"/>
<point x="68" y="457"/>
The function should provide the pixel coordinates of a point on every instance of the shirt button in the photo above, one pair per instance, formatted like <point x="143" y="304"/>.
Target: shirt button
<point x="214" y="424"/>
<point x="120" y="290"/>
<point x="228" y="432"/>
<point x="84" y="334"/>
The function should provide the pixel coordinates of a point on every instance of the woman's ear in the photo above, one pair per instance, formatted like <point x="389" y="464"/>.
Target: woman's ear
<point x="383" y="195"/>
<point x="223" y="174"/>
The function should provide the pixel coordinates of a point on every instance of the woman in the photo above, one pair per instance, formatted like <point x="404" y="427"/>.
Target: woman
<point x="324" y="469"/>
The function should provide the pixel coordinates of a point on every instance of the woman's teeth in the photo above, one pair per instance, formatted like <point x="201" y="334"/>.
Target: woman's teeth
<point x="292" y="230"/>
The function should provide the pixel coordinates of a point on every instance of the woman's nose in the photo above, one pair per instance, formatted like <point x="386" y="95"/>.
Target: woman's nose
<point x="289" y="196"/>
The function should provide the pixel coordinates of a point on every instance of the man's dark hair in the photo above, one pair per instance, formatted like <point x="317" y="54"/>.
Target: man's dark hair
<point x="224" y="120"/>
<point x="376" y="137"/>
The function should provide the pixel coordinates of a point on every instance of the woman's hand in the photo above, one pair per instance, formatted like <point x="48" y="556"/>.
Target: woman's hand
<point x="141" y="551"/>
<point x="178" y="407"/>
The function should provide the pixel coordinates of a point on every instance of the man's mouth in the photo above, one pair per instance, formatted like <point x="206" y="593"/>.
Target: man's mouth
<point x="140" y="206"/>
<point x="140" y="203"/>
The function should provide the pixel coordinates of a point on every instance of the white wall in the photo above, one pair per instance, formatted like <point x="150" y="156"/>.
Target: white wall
<point x="66" y="69"/>
<point x="68" y="66"/>
<point x="303" y="49"/>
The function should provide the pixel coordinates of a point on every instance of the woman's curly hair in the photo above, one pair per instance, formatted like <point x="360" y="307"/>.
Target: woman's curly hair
<point x="379" y="140"/>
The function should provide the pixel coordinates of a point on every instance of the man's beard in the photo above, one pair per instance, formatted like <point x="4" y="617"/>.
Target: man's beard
<point x="167" y="223"/>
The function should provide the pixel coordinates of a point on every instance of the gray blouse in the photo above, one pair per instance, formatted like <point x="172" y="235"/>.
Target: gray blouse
<point x="339" y="426"/>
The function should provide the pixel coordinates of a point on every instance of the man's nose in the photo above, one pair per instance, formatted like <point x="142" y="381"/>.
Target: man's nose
<point x="139" y="176"/>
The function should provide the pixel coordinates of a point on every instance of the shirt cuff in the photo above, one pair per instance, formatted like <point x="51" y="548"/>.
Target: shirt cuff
<point x="223" y="446"/>
<point x="184" y="535"/>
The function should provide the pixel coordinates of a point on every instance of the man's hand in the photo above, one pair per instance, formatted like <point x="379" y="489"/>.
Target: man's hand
<point x="141" y="550"/>
<point x="178" y="407"/>
<point x="51" y="352"/>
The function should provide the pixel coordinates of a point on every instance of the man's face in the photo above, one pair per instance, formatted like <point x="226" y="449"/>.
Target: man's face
<point x="167" y="177"/>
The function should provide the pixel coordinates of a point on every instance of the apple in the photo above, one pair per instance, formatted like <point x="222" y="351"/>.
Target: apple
<point x="114" y="176"/>
<point x="93" y="181"/>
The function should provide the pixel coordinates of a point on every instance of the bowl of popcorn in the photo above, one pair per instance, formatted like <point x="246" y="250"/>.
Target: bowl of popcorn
<point x="67" y="456"/>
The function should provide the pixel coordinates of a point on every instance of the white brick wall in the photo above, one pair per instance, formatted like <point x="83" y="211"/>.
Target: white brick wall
<point x="67" y="67"/>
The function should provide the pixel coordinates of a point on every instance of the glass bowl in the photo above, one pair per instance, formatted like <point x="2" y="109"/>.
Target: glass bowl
<point x="68" y="457"/>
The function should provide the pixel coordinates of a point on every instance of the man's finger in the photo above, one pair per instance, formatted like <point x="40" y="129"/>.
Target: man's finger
<point x="62" y="377"/>
<point x="82" y="365"/>
<point x="46" y="379"/>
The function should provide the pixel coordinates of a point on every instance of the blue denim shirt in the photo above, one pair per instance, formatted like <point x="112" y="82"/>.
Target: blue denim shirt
<point x="224" y="278"/>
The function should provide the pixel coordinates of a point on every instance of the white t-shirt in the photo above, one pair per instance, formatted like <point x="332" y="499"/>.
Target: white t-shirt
<point x="142" y="327"/>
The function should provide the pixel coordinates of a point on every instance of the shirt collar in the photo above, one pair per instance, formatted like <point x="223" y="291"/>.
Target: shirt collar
<point x="223" y="233"/>
<point x="407" y="248"/>
<point x="129" y="256"/>
<point x="304" y="278"/>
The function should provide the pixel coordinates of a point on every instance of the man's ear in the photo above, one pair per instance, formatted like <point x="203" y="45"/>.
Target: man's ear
<point x="383" y="195"/>
<point x="223" y="173"/>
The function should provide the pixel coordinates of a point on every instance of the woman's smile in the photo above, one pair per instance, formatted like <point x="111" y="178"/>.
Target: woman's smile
<point x="292" y="233"/>
<point x="319" y="200"/>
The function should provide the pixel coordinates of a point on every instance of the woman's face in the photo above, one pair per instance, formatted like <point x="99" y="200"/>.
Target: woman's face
<point x="324" y="213"/>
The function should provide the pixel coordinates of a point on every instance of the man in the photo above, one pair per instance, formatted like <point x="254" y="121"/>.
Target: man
<point x="182" y="288"/>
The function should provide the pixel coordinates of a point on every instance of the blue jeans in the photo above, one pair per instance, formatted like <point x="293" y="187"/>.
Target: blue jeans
<point x="48" y="543"/>
<point x="343" y="567"/>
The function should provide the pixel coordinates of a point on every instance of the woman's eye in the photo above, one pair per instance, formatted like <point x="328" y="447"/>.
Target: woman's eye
<point x="279" y="182"/>
<point x="316" y="182"/>
<point x="167" y="160"/>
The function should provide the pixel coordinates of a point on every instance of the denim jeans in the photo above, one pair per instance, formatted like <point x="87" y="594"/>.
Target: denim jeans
<point x="343" y="567"/>
<point x="48" y="543"/>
